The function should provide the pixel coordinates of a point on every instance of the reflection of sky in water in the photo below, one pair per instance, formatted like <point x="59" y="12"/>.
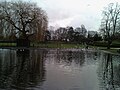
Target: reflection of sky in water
<point x="70" y="74"/>
<point x="59" y="70"/>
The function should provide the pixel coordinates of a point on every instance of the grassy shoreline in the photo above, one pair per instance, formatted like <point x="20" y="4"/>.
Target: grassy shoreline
<point x="62" y="46"/>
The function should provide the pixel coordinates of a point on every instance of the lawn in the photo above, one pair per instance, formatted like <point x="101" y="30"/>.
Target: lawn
<point x="56" y="45"/>
<point x="62" y="46"/>
<point x="7" y="44"/>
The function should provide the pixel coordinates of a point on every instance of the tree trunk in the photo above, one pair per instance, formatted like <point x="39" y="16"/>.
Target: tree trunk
<point x="23" y="43"/>
<point x="108" y="47"/>
<point x="109" y="43"/>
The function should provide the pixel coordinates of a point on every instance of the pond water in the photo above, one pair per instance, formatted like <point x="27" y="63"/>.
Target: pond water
<point x="42" y="69"/>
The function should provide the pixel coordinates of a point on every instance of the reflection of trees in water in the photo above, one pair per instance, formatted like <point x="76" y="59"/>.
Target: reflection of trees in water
<point x="91" y="57"/>
<point x="109" y="72"/>
<point x="76" y="58"/>
<point x="22" y="71"/>
<point x="7" y="64"/>
<point x="117" y="71"/>
<point x="79" y="57"/>
<point x="69" y="57"/>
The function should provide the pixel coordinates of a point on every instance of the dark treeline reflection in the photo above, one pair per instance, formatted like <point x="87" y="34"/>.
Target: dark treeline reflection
<point x="109" y="72"/>
<point x="75" y="58"/>
<point x="68" y="57"/>
<point x="21" y="69"/>
<point x="58" y="69"/>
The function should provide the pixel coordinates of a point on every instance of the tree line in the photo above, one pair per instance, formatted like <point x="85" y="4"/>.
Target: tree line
<point x="70" y="35"/>
<point x="22" y="20"/>
<point x="27" y="21"/>
<point x="110" y="23"/>
<point x="109" y="30"/>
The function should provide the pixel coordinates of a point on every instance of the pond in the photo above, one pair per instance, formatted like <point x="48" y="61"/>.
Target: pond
<point x="58" y="69"/>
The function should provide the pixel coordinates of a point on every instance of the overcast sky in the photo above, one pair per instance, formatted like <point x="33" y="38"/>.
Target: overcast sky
<point x="74" y="12"/>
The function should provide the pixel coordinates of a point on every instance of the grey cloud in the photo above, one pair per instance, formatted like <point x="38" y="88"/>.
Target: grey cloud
<point x="57" y="14"/>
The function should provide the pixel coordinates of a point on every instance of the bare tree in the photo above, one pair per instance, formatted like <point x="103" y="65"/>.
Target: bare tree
<point x="110" y="22"/>
<point x="23" y="18"/>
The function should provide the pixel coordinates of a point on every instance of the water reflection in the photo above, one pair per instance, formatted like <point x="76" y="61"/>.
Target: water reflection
<point x="109" y="72"/>
<point x="66" y="58"/>
<point x="58" y="70"/>
<point x="21" y="69"/>
<point x="71" y="70"/>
